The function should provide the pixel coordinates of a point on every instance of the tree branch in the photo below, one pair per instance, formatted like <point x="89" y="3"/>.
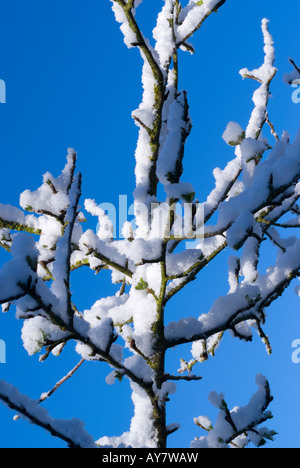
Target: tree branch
<point x="44" y="396"/>
<point x="71" y="432"/>
<point x="198" y="26"/>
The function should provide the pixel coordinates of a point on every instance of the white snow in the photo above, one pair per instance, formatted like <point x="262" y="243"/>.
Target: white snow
<point x="72" y="429"/>
<point x="233" y="134"/>
<point x="163" y="34"/>
<point x="192" y="16"/>
<point x="120" y="326"/>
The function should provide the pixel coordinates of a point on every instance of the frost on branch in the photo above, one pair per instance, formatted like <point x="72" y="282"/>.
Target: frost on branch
<point x="254" y="201"/>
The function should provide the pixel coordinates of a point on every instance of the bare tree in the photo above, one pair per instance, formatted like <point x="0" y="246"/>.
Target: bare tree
<point x="254" y="200"/>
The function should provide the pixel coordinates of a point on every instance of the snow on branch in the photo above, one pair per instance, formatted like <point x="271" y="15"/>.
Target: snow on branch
<point x="240" y="426"/>
<point x="249" y="204"/>
<point x="72" y="431"/>
<point x="192" y="17"/>
<point x="250" y="147"/>
<point x="294" y="76"/>
<point x="273" y="177"/>
<point x="133" y="37"/>
<point x="169" y="166"/>
<point x="164" y="34"/>
<point x="14" y="219"/>
<point x="247" y="302"/>
<point x="264" y="75"/>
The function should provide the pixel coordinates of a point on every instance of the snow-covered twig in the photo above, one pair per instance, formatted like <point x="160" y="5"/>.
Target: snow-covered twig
<point x="239" y="427"/>
<point x="248" y="206"/>
<point x="71" y="432"/>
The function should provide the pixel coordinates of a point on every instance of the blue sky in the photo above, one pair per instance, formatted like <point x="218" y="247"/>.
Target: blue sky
<point x="72" y="82"/>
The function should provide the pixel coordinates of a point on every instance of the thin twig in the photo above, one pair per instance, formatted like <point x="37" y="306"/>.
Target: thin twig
<point x="182" y="377"/>
<point x="44" y="396"/>
<point x="274" y="133"/>
<point x="294" y="65"/>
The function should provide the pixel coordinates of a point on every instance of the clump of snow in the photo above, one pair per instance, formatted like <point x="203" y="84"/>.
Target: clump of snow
<point x="180" y="190"/>
<point x="170" y="151"/>
<point x="204" y="422"/>
<point x="192" y="16"/>
<point x="35" y="333"/>
<point x="239" y="229"/>
<point x="234" y="134"/>
<point x="10" y="213"/>
<point x="216" y="399"/>
<point x="240" y="426"/>
<point x="101" y="334"/>
<point x="142" y="432"/>
<point x="163" y="34"/>
<point x="129" y="36"/>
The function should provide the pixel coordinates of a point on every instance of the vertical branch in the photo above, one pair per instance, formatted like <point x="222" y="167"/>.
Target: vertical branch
<point x="62" y="263"/>
<point x="158" y="359"/>
<point x="264" y="75"/>
<point x="148" y="145"/>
